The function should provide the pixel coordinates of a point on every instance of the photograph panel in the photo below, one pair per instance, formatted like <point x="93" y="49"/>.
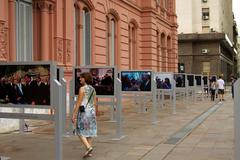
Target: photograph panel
<point x="139" y="81"/>
<point x="190" y="79"/>
<point x="198" y="80"/>
<point x="180" y="80"/>
<point x="164" y="80"/>
<point x="25" y="84"/>
<point x="103" y="80"/>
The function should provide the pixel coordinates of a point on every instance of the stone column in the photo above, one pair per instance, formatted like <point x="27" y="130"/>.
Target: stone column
<point x="45" y="48"/>
<point x="12" y="31"/>
<point x="3" y="31"/>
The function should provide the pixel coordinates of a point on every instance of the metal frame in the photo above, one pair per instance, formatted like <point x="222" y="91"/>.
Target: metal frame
<point x="199" y="87"/>
<point x="56" y="103"/>
<point x="237" y="119"/>
<point x="181" y="91"/>
<point x="64" y="95"/>
<point x="171" y="92"/>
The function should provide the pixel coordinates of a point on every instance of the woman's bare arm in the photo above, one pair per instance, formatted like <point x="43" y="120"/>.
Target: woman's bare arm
<point x="79" y="101"/>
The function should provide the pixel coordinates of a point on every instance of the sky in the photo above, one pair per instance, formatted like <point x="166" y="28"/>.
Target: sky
<point x="236" y="10"/>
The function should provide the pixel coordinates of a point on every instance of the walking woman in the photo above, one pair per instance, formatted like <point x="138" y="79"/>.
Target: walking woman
<point x="84" y="113"/>
<point x="213" y="87"/>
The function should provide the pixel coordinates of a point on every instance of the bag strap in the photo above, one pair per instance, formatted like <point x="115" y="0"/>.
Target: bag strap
<point x="89" y="97"/>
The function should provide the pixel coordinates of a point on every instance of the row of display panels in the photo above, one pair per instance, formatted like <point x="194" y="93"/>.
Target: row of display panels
<point x="30" y="82"/>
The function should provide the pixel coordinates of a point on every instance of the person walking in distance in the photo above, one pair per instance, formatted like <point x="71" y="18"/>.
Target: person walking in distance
<point x="213" y="87"/>
<point x="220" y="85"/>
<point x="233" y="80"/>
<point x="86" y="125"/>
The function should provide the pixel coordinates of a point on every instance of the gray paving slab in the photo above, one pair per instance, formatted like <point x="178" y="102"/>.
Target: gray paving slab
<point x="143" y="141"/>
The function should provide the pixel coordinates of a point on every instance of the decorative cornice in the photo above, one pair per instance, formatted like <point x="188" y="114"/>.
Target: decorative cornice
<point x="88" y="3"/>
<point x="114" y="13"/>
<point x="47" y="5"/>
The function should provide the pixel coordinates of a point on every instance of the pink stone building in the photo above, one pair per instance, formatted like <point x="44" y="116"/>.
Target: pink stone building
<point x="131" y="34"/>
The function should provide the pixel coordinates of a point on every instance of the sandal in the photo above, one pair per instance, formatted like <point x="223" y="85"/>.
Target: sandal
<point x="88" y="152"/>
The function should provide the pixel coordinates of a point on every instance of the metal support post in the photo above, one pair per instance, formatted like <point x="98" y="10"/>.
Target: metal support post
<point x="71" y="105"/>
<point x="58" y="106"/>
<point x="237" y="119"/>
<point x="64" y="102"/>
<point x="112" y="110"/>
<point x="174" y="96"/>
<point x="154" y="102"/>
<point x="119" y="129"/>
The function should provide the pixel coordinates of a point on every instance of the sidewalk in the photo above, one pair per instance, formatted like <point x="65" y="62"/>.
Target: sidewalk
<point x="212" y="140"/>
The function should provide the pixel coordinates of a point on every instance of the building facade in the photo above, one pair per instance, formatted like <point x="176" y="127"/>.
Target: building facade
<point x="238" y="58"/>
<point x="130" y="34"/>
<point x="207" y="37"/>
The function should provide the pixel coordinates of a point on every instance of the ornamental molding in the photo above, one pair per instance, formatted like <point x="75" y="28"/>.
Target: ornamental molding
<point x="59" y="48"/>
<point x="68" y="56"/>
<point x="47" y="5"/>
<point x="3" y="41"/>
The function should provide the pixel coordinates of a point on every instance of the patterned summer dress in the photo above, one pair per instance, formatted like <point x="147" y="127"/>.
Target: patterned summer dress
<point x="86" y="121"/>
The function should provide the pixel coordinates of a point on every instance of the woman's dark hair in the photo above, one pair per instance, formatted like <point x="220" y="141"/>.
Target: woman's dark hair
<point x="87" y="76"/>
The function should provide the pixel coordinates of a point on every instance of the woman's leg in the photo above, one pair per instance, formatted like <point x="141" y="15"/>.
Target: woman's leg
<point x="84" y="141"/>
<point x="89" y="139"/>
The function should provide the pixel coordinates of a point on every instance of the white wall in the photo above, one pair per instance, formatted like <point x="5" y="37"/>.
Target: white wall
<point x="184" y="13"/>
<point x="189" y="14"/>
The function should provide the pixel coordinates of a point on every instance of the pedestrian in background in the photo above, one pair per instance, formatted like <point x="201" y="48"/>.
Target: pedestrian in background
<point x="213" y="87"/>
<point x="86" y="125"/>
<point x="220" y="86"/>
<point x="233" y="80"/>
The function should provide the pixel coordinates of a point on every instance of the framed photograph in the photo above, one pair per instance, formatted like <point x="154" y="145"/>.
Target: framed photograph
<point x="136" y="81"/>
<point x="198" y="79"/>
<point x="26" y="83"/>
<point x="205" y="80"/>
<point x="103" y="79"/>
<point x="164" y="80"/>
<point x="180" y="79"/>
<point x="190" y="78"/>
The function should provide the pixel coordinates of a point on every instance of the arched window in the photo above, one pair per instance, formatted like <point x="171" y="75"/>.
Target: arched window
<point x="111" y="40"/>
<point x="82" y="34"/>
<point x="86" y="49"/>
<point x="169" y="57"/>
<point x="132" y="30"/>
<point x="24" y="27"/>
<point x="158" y="52"/>
<point x="163" y="52"/>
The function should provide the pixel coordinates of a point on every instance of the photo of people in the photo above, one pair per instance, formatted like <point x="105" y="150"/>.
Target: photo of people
<point x="164" y="80"/>
<point x="190" y="79"/>
<point x="180" y="79"/>
<point x="136" y="80"/>
<point x="25" y="84"/>
<point x="103" y="80"/>
<point x="198" y="79"/>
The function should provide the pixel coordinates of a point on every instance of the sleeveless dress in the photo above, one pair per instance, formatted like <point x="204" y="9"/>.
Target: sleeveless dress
<point x="86" y="121"/>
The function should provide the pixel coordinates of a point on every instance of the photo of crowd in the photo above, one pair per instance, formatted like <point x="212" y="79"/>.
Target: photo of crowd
<point x="198" y="80"/>
<point x="190" y="79"/>
<point x="136" y="80"/>
<point x="164" y="81"/>
<point x="180" y="80"/>
<point x="103" y="80"/>
<point x="25" y="84"/>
